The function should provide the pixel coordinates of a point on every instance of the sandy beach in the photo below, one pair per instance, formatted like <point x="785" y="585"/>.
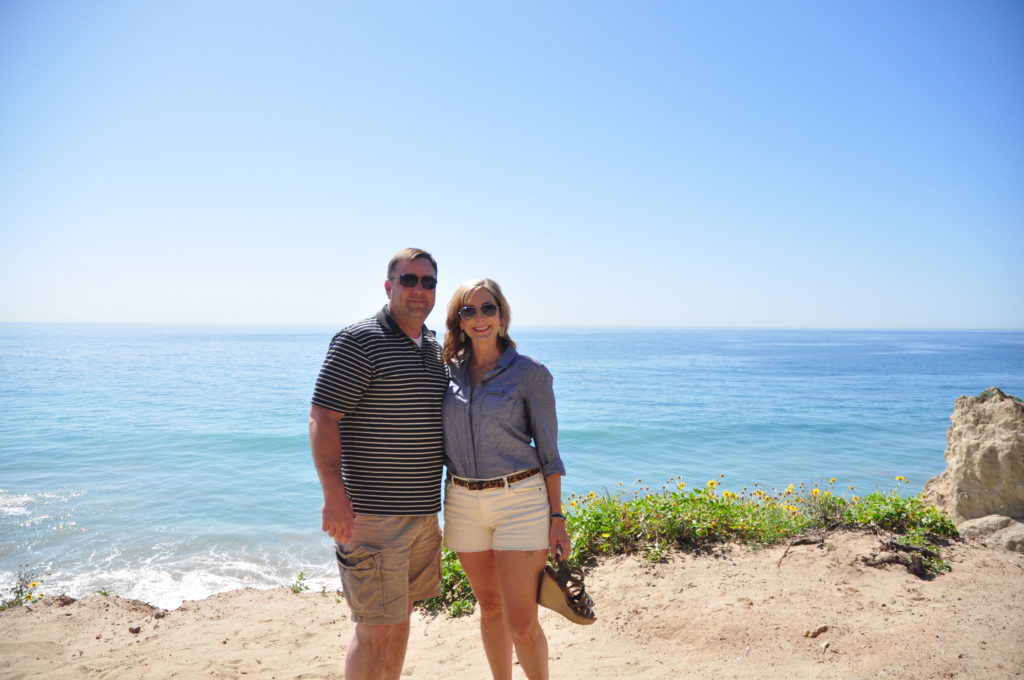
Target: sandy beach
<point x="736" y="613"/>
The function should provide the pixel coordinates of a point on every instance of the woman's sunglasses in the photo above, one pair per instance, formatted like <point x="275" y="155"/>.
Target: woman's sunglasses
<point x="410" y="281"/>
<point x="468" y="313"/>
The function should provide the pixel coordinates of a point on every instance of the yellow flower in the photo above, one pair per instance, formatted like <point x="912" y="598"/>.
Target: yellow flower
<point x="855" y="499"/>
<point x="33" y="584"/>
<point x="591" y="495"/>
<point x="832" y="480"/>
<point x="815" y="491"/>
<point x="572" y="504"/>
<point x="851" y="487"/>
<point x="712" y="483"/>
<point x="789" y="489"/>
<point x="681" y="485"/>
<point x="901" y="479"/>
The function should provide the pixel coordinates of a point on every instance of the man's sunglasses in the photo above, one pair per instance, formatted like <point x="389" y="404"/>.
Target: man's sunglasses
<point x="410" y="281"/>
<point x="468" y="313"/>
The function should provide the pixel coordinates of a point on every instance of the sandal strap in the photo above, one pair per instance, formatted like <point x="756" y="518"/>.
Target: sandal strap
<point x="571" y="579"/>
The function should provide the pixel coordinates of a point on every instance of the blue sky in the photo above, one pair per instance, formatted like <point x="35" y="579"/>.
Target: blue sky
<point x="710" y="164"/>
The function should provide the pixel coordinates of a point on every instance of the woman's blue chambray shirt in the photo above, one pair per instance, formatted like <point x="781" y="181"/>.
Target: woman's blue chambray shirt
<point x="487" y="431"/>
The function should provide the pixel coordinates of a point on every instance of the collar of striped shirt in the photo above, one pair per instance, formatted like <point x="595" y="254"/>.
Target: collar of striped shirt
<point x="385" y="319"/>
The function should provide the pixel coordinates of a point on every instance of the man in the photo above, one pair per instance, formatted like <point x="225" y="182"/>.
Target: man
<point x="378" y="445"/>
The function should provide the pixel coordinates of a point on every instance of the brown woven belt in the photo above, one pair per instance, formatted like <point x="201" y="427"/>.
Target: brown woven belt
<point x="496" y="483"/>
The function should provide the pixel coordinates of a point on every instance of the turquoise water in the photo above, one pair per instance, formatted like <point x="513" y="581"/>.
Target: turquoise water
<point x="167" y="463"/>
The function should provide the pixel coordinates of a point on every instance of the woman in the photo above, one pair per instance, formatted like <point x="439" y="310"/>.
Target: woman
<point x="503" y="508"/>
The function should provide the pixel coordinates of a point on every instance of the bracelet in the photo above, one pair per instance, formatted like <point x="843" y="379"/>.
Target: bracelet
<point x="558" y="515"/>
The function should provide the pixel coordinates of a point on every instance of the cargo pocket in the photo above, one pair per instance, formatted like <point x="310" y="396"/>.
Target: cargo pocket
<point x="361" y="580"/>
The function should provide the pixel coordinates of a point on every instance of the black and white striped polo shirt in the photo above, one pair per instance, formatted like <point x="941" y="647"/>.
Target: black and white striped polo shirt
<point x="390" y="391"/>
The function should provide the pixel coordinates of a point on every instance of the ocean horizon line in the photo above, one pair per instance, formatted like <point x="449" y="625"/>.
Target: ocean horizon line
<point x="528" y="327"/>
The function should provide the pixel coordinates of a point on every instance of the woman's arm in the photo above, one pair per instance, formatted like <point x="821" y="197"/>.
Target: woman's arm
<point x="540" y="404"/>
<point x="558" y="537"/>
<point x="540" y="407"/>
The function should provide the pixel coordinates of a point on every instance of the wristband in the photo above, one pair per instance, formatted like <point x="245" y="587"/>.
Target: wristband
<point x="558" y="515"/>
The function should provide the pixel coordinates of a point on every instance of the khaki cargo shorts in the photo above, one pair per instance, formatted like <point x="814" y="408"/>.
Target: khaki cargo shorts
<point x="390" y="562"/>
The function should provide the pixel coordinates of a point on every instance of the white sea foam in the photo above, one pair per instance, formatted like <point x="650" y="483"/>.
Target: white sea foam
<point x="23" y="504"/>
<point x="13" y="505"/>
<point x="168" y="588"/>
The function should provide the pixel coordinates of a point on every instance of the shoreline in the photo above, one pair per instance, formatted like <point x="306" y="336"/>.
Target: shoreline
<point x="734" y="611"/>
<point x="168" y="586"/>
<point x="159" y="584"/>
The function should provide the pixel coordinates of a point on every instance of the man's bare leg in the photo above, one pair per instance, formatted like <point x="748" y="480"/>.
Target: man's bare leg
<point x="377" y="652"/>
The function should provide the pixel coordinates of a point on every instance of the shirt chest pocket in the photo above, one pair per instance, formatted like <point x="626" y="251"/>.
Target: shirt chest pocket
<point x="498" y="402"/>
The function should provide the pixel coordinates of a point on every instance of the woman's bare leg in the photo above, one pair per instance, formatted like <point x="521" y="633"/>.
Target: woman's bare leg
<point x="518" y="577"/>
<point x="482" y="572"/>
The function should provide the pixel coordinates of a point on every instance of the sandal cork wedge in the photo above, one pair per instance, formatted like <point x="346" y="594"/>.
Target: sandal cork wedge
<point x="561" y="590"/>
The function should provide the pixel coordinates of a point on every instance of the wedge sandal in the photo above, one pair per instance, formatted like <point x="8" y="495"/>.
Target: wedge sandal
<point x="561" y="590"/>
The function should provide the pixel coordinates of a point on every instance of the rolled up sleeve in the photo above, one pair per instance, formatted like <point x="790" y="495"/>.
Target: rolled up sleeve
<point x="540" y="403"/>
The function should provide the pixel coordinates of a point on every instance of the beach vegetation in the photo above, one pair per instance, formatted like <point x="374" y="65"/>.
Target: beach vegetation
<point x="678" y="517"/>
<point x="25" y="590"/>
<point x="651" y="523"/>
<point x="456" y="598"/>
<point x="299" y="585"/>
<point x="993" y="392"/>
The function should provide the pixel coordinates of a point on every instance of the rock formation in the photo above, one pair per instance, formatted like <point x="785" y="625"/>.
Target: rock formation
<point x="982" y="487"/>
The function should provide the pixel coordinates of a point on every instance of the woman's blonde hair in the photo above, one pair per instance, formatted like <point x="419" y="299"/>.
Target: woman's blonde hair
<point x="456" y="345"/>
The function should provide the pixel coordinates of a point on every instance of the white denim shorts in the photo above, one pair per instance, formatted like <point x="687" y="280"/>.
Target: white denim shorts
<point x="515" y="517"/>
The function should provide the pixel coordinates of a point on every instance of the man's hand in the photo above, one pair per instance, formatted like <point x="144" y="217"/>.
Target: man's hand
<point x="338" y="519"/>
<point x="326" y="444"/>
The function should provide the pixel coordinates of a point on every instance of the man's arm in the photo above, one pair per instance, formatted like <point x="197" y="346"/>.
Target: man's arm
<point x="325" y="441"/>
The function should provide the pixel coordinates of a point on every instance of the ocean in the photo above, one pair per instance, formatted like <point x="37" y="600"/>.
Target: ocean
<point x="168" y="463"/>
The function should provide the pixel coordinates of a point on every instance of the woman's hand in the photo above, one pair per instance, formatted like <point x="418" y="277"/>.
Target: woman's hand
<point x="558" y="539"/>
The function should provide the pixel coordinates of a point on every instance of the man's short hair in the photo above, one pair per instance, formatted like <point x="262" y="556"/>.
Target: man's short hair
<point x="408" y="254"/>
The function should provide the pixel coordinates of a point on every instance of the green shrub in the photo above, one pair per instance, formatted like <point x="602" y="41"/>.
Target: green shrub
<point x="456" y="596"/>
<point x="650" y="523"/>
